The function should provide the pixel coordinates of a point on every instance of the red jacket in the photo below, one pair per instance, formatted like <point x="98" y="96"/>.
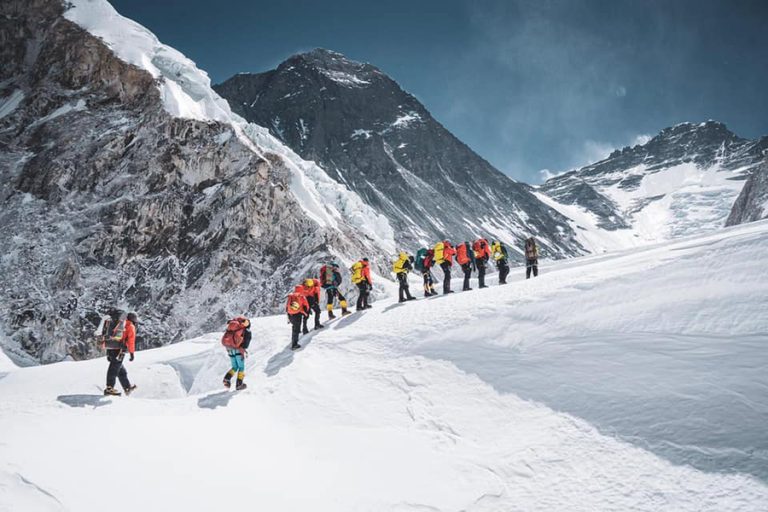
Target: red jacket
<point x="129" y="336"/>
<point x="311" y="291"/>
<point x="300" y="299"/>
<point x="367" y="272"/>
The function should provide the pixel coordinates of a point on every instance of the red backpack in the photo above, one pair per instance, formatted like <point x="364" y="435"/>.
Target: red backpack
<point x="233" y="336"/>
<point x="429" y="259"/>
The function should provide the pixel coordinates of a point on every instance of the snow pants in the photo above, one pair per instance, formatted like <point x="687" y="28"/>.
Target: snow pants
<point x="295" y="328"/>
<point x="446" y="266"/>
<point x="332" y="293"/>
<point x="116" y="369"/>
<point x="503" y="267"/>
<point x="531" y="265"/>
<point x="467" y="269"/>
<point x="314" y="306"/>
<point x="403" y="292"/>
<point x="237" y="360"/>
<point x="480" y="273"/>
<point x="429" y="282"/>
<point x="362" y="298"/>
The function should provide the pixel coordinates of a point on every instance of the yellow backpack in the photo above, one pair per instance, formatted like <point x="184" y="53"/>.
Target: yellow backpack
<point x="397" y="267"/>
<point x="357" y="272"/>
<point x="439" y="246"/>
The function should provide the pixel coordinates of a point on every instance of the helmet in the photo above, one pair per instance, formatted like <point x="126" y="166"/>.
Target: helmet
<point x="334" y="264"/>
<point x="309" y="282"/>
<point x="365" y="259"/>
<point x="132" y="318"/>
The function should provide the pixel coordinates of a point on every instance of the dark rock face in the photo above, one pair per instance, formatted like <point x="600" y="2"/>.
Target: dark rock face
<point x="110" y="202"/>
<point x="752" y="203"/>
<point x="369" y="134"/>
<point x="638" y="174"/>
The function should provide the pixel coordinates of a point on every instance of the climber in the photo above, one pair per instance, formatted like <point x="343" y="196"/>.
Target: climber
<point x="466" y="258"/>
<point x="297" y="308"/>
<point x="401" y="267"/>
<point x="330" y="280"/>
<point x="361" y="276"/>
<point x="423" y="263"/>
<point x="236" y="339"/>
<point x="123" y="340"/>
<point x="311" y="290"/>
<point x="444" y="252"/>
<point x="482" y="254"/>
<point x="531" y="258"/>
<point x="499" y="251"/>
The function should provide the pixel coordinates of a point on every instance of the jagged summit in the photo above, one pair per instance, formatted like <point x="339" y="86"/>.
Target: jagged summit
<point x="381" y="142"/>
<point x="681" y="182"/>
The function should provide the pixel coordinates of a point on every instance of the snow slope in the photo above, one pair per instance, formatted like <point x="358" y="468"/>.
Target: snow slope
<point x="632" y="381"/>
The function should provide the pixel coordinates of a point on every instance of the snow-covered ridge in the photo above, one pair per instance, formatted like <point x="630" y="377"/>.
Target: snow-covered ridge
<point x="186" y="92"/>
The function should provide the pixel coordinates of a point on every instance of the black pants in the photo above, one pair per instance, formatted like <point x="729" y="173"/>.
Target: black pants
<point x="116" y="369"/>
<point x="446" y="266"/>
<point x="296" y="327"/>
<point x="404" y="292"/>
<point x="467" y="269"/>
<point x="429" y="282"/>
<point x="480" y="273"/>
<point x="362" y="299"/>
<point x="531" y="265"/>
<point x="314" y="306"/>
<point x="334" y="293"/>
<point x="503" y="267"/>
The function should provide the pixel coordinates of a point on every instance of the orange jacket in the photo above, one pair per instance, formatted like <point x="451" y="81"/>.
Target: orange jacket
<point x="129" y="336"/>
<point x="311" y="291"/>
<point x="301" y="299"/>
<point x="367" y="272"/>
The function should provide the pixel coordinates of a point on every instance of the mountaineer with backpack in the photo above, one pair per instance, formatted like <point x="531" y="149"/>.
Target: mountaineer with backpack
<point x="423" y="263"/>
<point x="330" y="280"/>
<point x="297" y="308"/>
<point x="401" y="267"/>
<point x="500" y="255"/>
<point x="123" y="339"/>
<point x="466" y="259"/>
<point x="531" y="258"/>
<point x="482" y="254"/>
<point x="443" y="255"/>
<point x="237" y="339"/>
<point x="311" y="290"/>
<point x="361" y="276"/>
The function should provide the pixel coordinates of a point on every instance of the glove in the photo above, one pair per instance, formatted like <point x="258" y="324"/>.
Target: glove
<point x="245" y="353"/>
<point x="131" y="358"/>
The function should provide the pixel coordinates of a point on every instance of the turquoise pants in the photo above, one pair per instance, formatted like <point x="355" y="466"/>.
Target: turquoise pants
<point x="236" y="357"/>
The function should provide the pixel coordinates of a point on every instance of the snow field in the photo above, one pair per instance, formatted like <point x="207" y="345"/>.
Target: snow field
<point x="405" y="407"/>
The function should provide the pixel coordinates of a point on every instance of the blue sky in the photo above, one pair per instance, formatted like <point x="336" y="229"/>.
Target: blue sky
<point x="528" y="84"/>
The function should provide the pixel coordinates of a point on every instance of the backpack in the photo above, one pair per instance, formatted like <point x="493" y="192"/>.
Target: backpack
<point x="233" y="336"/>
<point x="326" y="275"/>
<point x="357" y="272"/>
<point x="500" y="252"/>
<point x="294" y="303"/>
<point x="421" y="255"/>
<point x="462" y="253"/>
<point x="438" y="254"/>
<point x="530" y="249"/>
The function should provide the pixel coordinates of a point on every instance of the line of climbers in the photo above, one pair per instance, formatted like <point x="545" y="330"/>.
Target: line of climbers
<point x="470" y="257"/>
<point x="305" y="299"/>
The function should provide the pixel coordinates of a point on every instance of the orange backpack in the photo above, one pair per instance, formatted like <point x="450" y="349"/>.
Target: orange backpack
<point x="233" y="336"/>
<point x="461" y="254"/>
<point x="294" y="303"/>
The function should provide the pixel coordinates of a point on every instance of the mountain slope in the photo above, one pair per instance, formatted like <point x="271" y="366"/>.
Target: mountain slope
<point x="654" y="402"/>
<point x="752" y="203"/>
<point x="369" y="134"/>
<point x="128" y="183"/>
<point x="682" y="182"/>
